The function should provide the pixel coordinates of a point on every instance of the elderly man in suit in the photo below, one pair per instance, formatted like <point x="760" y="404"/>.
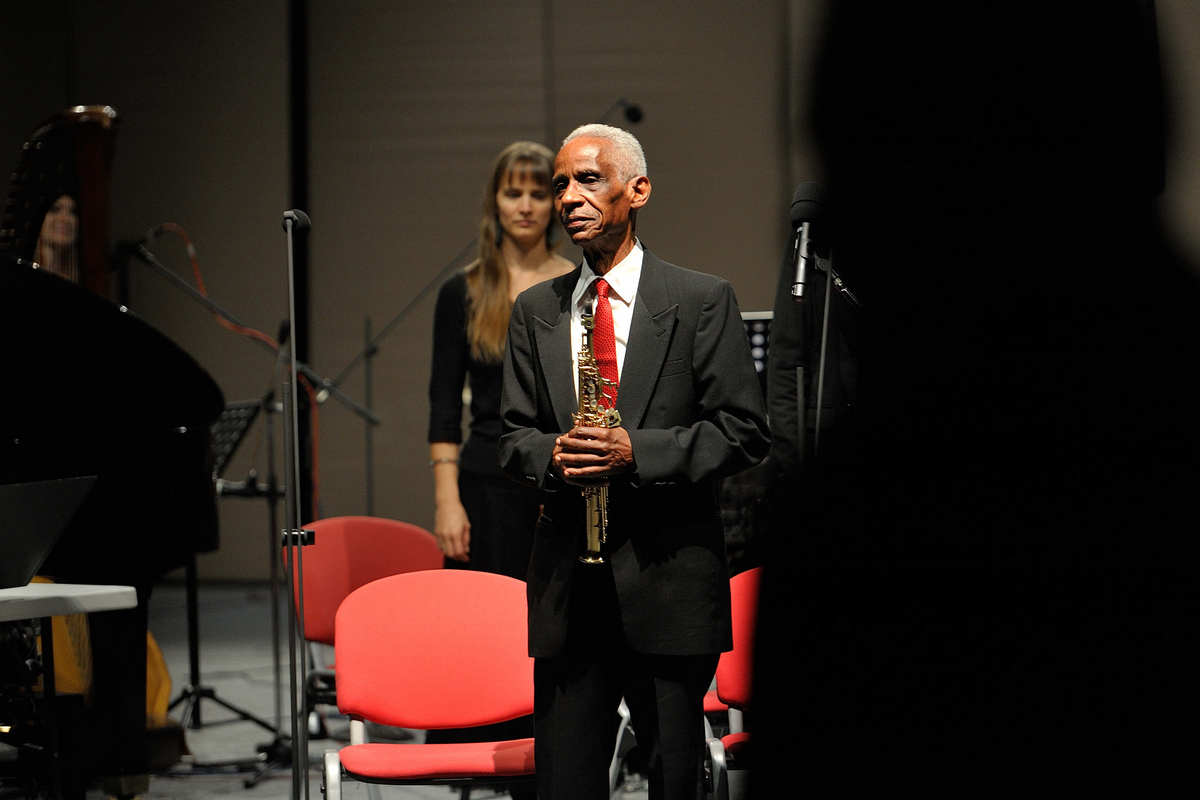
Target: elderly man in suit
<point x="649" y="623"/>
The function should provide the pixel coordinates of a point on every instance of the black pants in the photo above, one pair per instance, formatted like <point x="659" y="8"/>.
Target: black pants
<point x="503" y="514"/>
<point x="577" y="693"/>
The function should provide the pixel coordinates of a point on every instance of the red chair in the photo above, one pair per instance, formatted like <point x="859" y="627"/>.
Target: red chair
<point x="349" y="552"/>
<point x="431" y="650"/>
<point x="734" y="673"/>
<point x="346" y="553"/>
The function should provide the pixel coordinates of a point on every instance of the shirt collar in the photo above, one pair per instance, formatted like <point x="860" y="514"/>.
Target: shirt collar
<point x="622" y="278"/>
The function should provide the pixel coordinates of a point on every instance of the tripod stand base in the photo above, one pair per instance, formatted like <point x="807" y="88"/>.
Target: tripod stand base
<point x="192" y="695"/>
<point x="269" y="756"/>
<point x="215" y="767"/>
<point x="276" y="755"/>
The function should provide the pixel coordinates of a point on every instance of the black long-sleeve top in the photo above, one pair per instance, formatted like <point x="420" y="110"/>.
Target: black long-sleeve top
<point x="452" y="365"/>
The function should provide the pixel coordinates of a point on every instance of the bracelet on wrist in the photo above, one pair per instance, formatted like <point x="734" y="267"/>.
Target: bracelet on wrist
<point x="433" y="462"/>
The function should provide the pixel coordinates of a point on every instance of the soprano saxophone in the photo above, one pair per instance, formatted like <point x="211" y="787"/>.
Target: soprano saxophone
<point x="591" y="414"/>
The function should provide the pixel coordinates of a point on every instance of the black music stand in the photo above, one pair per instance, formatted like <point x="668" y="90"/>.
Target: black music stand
<point x="227" y="433"/>
<point x="278" y="752"/>
<point x="229" y="430"/>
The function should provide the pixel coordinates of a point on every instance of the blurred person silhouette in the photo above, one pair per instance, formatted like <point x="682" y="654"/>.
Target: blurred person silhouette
<point x="994" y="571"/>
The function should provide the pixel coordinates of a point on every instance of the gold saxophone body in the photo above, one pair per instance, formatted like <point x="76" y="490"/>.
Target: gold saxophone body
<point x="591" y="414"/>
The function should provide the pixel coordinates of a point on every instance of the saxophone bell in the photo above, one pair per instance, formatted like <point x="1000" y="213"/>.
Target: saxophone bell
<point x="596" y="500"/>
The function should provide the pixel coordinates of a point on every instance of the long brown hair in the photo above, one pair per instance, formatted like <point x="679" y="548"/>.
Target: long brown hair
<point x="488" y="306"/>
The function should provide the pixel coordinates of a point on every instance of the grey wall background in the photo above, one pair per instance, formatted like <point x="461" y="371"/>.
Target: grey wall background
<point x="408" y="105"/>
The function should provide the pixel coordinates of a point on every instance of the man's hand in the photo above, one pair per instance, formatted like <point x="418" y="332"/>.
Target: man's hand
<point x="453" y="530"/>
<point x="585" y="455"/>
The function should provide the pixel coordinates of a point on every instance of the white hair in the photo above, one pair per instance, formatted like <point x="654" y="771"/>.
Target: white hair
<point x="630" y="158"/>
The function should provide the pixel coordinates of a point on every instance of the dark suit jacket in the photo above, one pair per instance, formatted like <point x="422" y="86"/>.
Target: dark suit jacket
<point x="691" y="402"/>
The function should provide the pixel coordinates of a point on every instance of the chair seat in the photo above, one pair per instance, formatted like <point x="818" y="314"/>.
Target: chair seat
<point x="713" y="704"/>
<point x="737" y="749"/>
<point x="401" y="762"/>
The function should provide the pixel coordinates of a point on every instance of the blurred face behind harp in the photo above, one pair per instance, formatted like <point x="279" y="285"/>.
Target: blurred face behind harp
<point x="61" y="223"/>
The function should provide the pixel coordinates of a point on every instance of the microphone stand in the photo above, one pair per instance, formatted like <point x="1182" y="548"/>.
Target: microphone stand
<point x="833" y="282"/>
<point x="326" y="387"/>
<point x="294" y="538"/>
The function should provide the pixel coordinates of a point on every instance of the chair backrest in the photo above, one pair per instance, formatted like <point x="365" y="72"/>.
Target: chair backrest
<point x="444" y="648"/>
<point x="348" y="552"/>
<point x="735" y="669"/>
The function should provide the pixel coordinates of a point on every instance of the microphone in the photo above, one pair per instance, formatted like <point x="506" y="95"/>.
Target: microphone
<point x="322" y="395"/>
<point x="285" y="330"/>
<point x="299" y="219"/>
<point x="806" y="208"/>
<point x="124" y="248"/>
<point x="151" y="234"/>
<point x="631" y="110"/>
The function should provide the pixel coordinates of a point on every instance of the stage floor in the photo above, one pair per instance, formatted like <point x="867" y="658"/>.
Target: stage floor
<point x="236" y="662"/>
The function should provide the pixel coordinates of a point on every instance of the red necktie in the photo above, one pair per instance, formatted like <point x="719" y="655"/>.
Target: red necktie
<point x="604" y="344"/>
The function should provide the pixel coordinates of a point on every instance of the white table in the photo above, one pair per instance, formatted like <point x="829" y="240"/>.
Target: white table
<point x="53" y="599"/>
<point x="45" y="600"/>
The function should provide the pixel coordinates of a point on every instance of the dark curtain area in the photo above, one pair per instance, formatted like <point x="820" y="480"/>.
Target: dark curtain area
<point x="996" y="573"/>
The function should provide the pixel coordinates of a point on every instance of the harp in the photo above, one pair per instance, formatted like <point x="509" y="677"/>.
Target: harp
<point x="68" y="155"/>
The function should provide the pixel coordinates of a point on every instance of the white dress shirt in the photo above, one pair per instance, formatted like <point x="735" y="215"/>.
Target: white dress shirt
<point x="623" y="281"/>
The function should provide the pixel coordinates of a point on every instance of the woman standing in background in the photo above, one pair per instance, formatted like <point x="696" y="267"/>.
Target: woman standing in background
<point x="484" y="520"/>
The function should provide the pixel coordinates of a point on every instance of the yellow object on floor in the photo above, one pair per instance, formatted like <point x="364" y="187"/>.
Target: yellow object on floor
<point x="72" y="652"/>
<point x="73" y="664"/>
<point x="158" y="684"/>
